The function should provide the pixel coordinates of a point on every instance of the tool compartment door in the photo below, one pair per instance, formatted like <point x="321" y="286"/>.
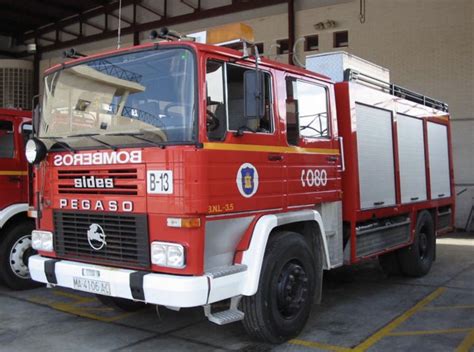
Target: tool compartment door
<point x="411" y="156"/>
<point x="439" y="160"/>
<point x="375" y="157"/>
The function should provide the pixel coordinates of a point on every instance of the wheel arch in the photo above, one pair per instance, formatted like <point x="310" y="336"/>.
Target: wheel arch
<point x="307" y="222"/>
<point x="11" y="213"/>
<point x="12" y="221"/>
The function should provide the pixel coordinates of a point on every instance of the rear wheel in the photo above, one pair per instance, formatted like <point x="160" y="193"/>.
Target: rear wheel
<point x="416" y="260"/>
<point x="280" y="308"/>
<point x="15" y="250"/>
<point x="121" y="303"/>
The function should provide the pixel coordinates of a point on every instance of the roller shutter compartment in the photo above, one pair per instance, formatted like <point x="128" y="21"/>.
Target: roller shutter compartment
<point x="375" y="157"/>
<point x="439" y="160"/>
<point x="411" y="156"/>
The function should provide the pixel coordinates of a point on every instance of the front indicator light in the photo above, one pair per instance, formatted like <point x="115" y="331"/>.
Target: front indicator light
<point x="168" y="254"/>
<point x="188" y="223"/>
<point x="42" y="241"/>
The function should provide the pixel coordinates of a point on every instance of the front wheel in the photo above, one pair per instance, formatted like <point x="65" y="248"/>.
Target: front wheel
<point x="280" y="308"/>
<point x="15" y="250"/>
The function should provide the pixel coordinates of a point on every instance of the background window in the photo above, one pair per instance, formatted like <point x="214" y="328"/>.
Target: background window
<point x="311" y="43"/>
<point x="7" y="144"/>
<point x="341" y="39"/>
<point x="312" y="111"/>
<point x="283" y="46"/>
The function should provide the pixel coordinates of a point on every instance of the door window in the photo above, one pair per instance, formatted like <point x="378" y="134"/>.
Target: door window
<point x="216" y="117"/>
<point x="225" y="101"/>
<point x="7" y="142"/>
<point x="307" y="111"/>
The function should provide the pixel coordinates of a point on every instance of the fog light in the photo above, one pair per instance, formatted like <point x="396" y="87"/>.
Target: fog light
<point x="168" y="254"/>
<point x="42" y="241"/>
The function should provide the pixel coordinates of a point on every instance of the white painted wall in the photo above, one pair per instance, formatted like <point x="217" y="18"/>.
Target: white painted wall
<point x="426" y="44"/>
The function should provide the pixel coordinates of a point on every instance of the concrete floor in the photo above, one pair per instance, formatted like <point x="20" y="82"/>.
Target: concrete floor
<point x="362" y="310"/>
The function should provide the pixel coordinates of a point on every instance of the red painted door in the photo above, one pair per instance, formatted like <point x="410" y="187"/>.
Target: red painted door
<point x="245" y="160"/>
<point x="13" y="173"/>
<point x="313" y="169"/>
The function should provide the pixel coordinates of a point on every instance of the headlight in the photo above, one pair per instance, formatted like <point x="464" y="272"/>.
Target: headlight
<point x="35" y="151"/>
<point x="168" y="254"/>
<point x="42" y="241"/>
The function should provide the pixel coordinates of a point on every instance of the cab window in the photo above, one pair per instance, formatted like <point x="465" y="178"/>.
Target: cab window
<point x="235" y="88"/>
<point x="7" y="143"/>
<point x="225" y="101"/>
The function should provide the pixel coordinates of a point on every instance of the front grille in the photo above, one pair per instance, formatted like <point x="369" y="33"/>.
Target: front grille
<point x="126" y="238"/>
<point x="125" y="180"/>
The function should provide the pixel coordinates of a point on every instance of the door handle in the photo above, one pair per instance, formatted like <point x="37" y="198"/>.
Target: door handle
<point x="15" y="179"/>
<point x="275" y="157"/>
<point x="332" y="158"/>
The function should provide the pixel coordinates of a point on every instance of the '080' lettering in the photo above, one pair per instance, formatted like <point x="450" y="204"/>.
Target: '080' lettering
<point x="314" y="177"/>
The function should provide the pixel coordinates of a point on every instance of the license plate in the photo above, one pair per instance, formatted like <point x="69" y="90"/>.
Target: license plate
<point x="93" y="286"/>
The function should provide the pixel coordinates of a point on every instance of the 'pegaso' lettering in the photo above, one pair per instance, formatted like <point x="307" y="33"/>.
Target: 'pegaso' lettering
<point x="97" y="205"/>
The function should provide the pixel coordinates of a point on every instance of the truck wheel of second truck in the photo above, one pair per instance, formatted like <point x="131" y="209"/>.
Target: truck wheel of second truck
<point x="15" y="249"/>
<point x="121" y="303"/>
<point x="416" y="260"/>
<point x="280" y="308"/>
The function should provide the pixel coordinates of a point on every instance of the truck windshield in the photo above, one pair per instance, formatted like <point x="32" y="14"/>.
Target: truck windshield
<point x="145" y="97"/>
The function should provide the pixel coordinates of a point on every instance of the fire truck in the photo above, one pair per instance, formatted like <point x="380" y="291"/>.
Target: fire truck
<point x="15" y="225"/>
<point x="181" y="174"/>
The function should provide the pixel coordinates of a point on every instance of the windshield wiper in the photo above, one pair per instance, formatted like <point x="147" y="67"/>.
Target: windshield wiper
<point x="61" y="143"/>
<point x="92" y="136"/>
<point x="138" y="136"/>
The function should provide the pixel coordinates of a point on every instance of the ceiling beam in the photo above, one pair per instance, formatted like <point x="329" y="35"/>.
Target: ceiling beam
<point x="85" y="15"/>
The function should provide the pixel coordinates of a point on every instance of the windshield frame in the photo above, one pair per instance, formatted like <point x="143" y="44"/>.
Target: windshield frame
<point x="156" y="46"/>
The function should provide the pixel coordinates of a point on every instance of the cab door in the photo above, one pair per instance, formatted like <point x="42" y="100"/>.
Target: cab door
<point x="12" y="171"/>
<point x="245" y="158"/>
<point x="314" y="165"/>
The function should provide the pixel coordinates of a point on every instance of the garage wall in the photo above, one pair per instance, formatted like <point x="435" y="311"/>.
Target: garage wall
<point x="426" y="44"/>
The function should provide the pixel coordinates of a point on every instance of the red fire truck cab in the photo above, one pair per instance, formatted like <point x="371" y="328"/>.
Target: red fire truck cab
<point x="183" y="174"/>
<point x="15" y="226"/>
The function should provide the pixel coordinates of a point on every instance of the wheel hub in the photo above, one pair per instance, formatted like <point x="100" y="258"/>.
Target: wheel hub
<point x="292" y="289"/>
<point x="423" y="244"/>
<point x="19" y="255"/>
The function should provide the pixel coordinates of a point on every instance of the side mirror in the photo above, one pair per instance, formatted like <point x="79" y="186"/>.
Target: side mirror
<point x="254" y="94"/>
<point x="26" y="128"/>
<point x="292" y="123"/>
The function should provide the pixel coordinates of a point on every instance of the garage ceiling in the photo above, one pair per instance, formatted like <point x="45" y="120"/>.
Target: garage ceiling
<point x="58" y="24"/>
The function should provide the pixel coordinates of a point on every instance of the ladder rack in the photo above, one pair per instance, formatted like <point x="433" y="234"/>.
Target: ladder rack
<point x="395" y="90"/>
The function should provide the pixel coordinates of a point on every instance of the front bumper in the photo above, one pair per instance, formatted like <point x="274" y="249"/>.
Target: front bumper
<point x="161" y="289"/>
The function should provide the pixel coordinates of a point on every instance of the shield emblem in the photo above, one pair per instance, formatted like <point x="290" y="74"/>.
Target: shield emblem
<point x="248" y="183"/>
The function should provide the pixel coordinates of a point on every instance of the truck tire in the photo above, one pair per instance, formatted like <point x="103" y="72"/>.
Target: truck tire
<point x="280" y="308"/>
<point x="120" y="303"/>
<point x="15" y="250"/>
<point x="416" y="259"/>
